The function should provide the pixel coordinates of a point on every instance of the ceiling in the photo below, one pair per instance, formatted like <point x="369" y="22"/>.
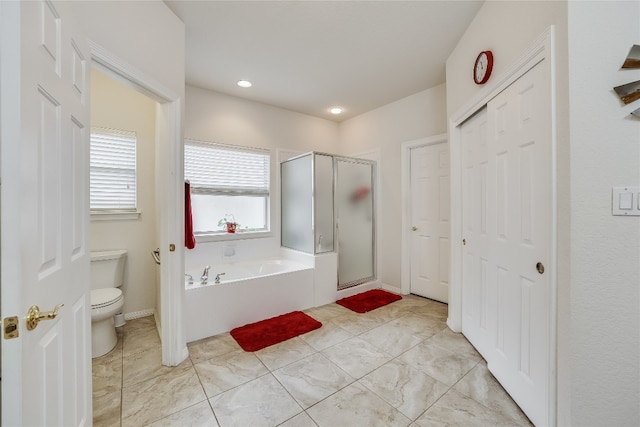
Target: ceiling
<point x="309" y="56"/>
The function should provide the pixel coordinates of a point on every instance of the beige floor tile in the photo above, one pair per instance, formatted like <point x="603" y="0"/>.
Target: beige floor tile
<point x="312" y="379"/>
<point x="147" y="364"/>
<point x="208" y="348"/>
<point x="439" y="363"/>
<point x="107" y="376"/>
<point x="289" y="351"/>
<point x="455" y="409"/>
<point x="229" y="370"/>
<point x="329" y="334"/>
<point x="327" y="312"/>
<point x="356" y="405"/>
<point x="419" y="325"/>
<point x="140" y="340"/>
<point x="198" y="415"/>
<point x="407" y="389"/>
<point x="392" y="338"/>
<point x="454" y="342"/>
<point x="384" y="314"/>
<point x="300" y="420"/>
<point x="482" y="387"/>
<point x="437" y="309"/>
<point x="261" y="402"/>
<point x="154" y="399"/>
<point x="356" y="356"/>
<point x="356" y="323"/>
<point x="391" y="393"/>
<point x="106" y="409"/>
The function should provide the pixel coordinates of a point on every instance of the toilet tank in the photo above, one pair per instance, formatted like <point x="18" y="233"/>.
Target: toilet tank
<point x="107" y="268"/>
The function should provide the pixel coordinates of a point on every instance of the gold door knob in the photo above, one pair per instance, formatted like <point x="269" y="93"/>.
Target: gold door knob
<point x="34" y="316"/>
<point x="414" y="228"/>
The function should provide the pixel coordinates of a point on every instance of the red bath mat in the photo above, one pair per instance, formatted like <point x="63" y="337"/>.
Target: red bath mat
<point x="367" y="301"/>
<point x="256" y="336"/>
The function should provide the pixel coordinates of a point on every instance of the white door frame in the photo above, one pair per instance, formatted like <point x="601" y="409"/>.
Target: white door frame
<point x="405" y="163"/>
<point x="169" y="141"/>
<point x="543" y="48"/>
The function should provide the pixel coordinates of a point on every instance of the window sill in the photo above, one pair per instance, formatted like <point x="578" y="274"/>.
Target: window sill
<point x="115" y="216"/>
<point x="223" y="237"/>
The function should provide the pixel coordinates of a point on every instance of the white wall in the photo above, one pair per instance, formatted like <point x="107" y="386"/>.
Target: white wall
<point x="386" y="128"/>
<point x="145" y="34"/>
<point x="605" y="250"/>
<point x="598" y="147"/>
<point x="215" y="117"/>
<point x="116" y="106"/>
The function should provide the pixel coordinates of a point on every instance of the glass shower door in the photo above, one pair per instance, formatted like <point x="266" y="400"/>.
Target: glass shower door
<point x="355" y="221"/>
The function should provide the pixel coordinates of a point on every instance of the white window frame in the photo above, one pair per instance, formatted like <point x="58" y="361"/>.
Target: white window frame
<point x="221" y="235"/>
<point x="110" y="214"/>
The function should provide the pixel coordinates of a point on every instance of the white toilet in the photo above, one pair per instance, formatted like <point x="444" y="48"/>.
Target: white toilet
<point x="107" y="274"/>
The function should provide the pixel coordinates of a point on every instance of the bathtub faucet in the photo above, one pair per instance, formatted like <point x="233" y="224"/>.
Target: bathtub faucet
<point x="205" y="275"/>
<point x="218" y="277"/>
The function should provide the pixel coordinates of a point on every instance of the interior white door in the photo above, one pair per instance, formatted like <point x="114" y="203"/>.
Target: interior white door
<point x="45" y="120"/>
<point x="429" y="189"/>
<point x="506" y="279"/>
<point x="478" y="291"/>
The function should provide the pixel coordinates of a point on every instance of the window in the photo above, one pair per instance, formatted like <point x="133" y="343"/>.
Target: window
<point x="227" y="182"/>
<point x="112" y="169"/>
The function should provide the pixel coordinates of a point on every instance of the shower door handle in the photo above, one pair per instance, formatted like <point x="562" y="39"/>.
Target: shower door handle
<point x="156" y="256"/>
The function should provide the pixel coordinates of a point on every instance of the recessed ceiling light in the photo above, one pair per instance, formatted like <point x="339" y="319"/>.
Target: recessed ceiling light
<point x="244" y="83"/>
<point x="336" y="110"/>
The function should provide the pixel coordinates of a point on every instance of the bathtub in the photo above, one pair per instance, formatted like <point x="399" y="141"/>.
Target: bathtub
<point x="247" y="292"/>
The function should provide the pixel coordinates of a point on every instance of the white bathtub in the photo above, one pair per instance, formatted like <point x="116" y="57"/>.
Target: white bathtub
<point x="247" y="292"/>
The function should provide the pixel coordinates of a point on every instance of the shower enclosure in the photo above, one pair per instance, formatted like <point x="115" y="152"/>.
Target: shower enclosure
<point x="327" y="206"/>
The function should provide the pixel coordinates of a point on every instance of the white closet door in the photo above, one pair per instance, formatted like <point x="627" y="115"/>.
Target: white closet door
<point x="507" y="219"/>
<point x="478" y="286"/>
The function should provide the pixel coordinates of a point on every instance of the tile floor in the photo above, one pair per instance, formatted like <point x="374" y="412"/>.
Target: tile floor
<point x="398" y="365"/>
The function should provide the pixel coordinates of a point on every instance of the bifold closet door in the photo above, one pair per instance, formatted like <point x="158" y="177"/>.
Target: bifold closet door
<point x="507" y="230"/>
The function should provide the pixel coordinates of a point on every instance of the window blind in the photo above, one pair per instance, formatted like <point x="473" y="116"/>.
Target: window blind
<point x="217" y="169"/>
<point x="112" y="170"/>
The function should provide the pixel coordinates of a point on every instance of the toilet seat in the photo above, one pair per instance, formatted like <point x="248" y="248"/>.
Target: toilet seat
<point x="105" y="297"/>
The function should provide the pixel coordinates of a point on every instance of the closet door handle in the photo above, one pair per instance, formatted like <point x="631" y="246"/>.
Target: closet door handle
<point x="540" y="267"/>
<point x="156" y="256"/>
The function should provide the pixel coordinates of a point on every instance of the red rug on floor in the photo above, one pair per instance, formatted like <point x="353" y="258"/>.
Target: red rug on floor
<point x="369" y="300"/>
<point x="256" y="336"/>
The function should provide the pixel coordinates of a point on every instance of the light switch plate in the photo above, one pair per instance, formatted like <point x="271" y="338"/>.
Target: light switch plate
<point x="625" y="201"/>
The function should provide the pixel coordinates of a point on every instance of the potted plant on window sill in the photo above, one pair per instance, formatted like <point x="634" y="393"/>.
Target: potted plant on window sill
<point x="230" y="222"/>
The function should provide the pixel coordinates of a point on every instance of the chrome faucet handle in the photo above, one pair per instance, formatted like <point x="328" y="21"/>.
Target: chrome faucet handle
<point x="189" y="277"/>
<point x="205" y="274"/>
<point x="217" y="280"/>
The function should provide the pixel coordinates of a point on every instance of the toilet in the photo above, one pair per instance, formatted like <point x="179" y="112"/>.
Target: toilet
<point x="107" y="274"/>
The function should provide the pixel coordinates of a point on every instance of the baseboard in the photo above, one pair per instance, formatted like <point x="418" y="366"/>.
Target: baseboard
<point x="392" y="289"/>
<point x="139" y="314"/>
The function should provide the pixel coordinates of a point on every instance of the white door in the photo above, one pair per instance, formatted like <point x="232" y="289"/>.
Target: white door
<point x="46" y="378"/>
<point x="429" y="189"/>
<point x="507" y="300"/>
<point x="478" y="291"/>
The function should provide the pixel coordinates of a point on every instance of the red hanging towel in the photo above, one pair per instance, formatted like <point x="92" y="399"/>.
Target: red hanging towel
<point x="189" y="238"/>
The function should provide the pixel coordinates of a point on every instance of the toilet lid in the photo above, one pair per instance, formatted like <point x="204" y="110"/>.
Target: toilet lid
<point x="106" y="296"/>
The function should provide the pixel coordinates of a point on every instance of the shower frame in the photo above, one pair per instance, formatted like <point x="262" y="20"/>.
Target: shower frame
<point x="335" y="215"/>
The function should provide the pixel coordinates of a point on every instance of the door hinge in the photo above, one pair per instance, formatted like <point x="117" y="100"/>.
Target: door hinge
<point x="10" y="327"/>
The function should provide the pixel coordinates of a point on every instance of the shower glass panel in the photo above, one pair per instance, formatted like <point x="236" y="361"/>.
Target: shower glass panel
<point x="297" y="203"/>
<point x="327" y="205"/>
<point x="323" y="202"/>
<point x="355" y="222"/>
